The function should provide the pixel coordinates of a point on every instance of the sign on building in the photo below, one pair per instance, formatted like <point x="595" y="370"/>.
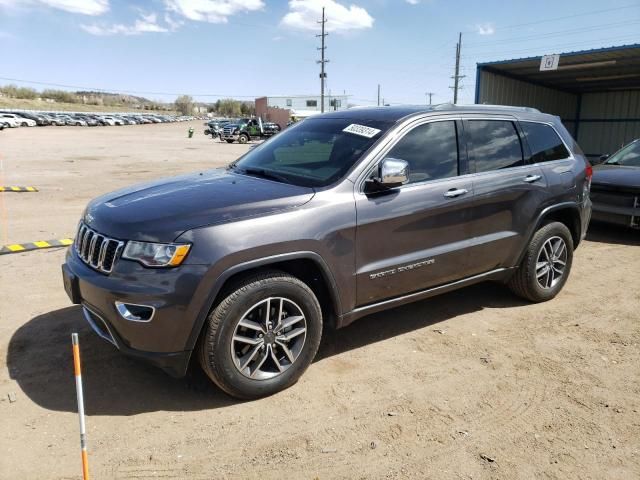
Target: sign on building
<point x="549" y="62"/>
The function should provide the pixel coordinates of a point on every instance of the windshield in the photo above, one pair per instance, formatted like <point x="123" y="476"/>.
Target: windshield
<point x="315" y="152"/>
<point x="629" y="156"/>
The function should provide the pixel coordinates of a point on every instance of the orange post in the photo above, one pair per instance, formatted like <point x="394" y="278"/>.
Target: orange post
<point x="83" y="433"/>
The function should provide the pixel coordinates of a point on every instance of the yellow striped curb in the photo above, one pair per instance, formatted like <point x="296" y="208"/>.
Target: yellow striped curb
<point x="37" y="245"/>
<point x="18" y="189"/>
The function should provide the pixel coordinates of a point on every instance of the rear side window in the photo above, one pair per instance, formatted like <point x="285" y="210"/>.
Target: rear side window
<point x="493" y="144"/>
<point x="544" y="142"/>
<point x="431" y="150"/>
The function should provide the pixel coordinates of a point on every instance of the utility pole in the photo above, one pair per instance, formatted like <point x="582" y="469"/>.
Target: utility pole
<point x="457" y="76"/>
<point x="429" y="94"/>
<point x="378" y="94"/>
<point x="322" y="61"/>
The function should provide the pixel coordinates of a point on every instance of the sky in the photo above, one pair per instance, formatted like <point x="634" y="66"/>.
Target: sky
<point x="212" y="49"/>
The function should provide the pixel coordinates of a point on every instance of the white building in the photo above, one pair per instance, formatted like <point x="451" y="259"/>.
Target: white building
<point x="307" y="102"/>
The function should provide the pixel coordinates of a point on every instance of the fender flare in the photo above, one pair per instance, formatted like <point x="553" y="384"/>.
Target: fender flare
<point x="256" y="263"/>
<point x="540" y="218"/>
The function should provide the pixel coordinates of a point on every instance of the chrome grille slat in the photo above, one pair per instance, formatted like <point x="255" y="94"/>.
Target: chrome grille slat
<point x="96" y="250"/>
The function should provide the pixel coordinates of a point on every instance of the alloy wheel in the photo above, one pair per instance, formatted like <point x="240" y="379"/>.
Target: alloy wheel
<point x="551" y="262"/>
<point x="268" y="338"/>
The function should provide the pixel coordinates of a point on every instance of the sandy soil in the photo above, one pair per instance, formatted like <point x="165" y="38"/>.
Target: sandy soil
<point x="472" y="384"/>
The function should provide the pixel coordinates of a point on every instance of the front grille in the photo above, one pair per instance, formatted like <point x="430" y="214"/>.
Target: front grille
<point x="96" y="250"/>
<point x="612" y="197"/>
<point x="228" y="130"/>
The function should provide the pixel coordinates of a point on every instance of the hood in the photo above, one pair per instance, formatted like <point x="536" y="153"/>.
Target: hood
<point x="160" y="211"/>
<point x="618" y="176"/>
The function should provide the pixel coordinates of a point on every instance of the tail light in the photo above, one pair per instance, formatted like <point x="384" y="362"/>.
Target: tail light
<point x="588" y="173"/>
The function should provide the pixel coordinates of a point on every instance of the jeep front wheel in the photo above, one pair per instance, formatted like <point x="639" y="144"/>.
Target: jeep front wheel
<point x="243" y="138"/>
<point x="546" y="264"/>
<point x="262" y="336"/>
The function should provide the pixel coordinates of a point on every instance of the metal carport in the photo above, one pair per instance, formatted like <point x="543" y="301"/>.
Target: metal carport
<point x="596" y="93"/>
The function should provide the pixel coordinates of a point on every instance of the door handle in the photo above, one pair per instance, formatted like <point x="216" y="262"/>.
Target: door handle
<point x="532" y="178"/>
<point x="455" y="192"/>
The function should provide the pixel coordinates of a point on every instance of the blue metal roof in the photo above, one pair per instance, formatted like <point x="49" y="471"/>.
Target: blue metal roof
<point x="566" y="54"/>
<point x="598" y="69"/>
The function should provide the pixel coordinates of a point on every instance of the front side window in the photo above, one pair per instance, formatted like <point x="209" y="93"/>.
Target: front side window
<point x="315" y="152"/>
<point x="312" y="103"/>
<point x="493" y="145"/>
<point x="431" y="150"/>
<point x="544" y="142"/>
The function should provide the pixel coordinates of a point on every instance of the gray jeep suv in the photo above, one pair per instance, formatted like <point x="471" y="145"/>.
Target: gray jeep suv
<point x="339" y="216"/>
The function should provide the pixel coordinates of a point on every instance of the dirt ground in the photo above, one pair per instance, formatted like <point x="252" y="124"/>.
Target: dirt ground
<point x="473" y="384"/>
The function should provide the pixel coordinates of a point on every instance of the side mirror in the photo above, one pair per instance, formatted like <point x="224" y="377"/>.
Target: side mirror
<point x="604" y="157"/>
<point x="392" y="172"/>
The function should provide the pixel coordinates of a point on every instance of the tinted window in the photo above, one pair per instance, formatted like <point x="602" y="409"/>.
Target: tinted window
<point x="544" y="142"/>
<point x="431" y="151"/>
<point x="315" y="152"/>
<point x="493" y="144"/>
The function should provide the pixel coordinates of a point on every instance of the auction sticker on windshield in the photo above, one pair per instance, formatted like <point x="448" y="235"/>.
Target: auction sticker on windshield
<point x="361" y="130"/>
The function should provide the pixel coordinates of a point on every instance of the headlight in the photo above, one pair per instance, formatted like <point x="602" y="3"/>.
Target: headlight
<point x="156" y="254"/>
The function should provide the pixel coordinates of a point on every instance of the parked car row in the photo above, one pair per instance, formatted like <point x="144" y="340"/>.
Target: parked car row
<point x="18" y="118"/>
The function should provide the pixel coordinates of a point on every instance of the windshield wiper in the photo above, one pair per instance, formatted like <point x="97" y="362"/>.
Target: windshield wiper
<point x="261" y="172"/>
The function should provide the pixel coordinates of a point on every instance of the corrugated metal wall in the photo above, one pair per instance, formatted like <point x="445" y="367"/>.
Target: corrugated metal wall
<point x="619" y="120"/>
<point x="607" y="120"/>
<point x="500" y="90"/>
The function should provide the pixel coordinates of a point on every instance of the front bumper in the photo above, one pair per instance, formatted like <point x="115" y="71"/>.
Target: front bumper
<point x="617" y="207"/>
<point x="162" y="341"/>
<point x="232" y="136"/>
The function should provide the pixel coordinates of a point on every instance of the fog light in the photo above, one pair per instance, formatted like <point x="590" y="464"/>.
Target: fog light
<point x="134" y="312"/>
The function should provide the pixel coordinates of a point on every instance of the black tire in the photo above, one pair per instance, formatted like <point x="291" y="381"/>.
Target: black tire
<point x="24" y="124"/>
<point x="215" y="346"/>
<point x="243" y="138"/>
<point x="524" y="281"/>
<point x="229" y="141"/>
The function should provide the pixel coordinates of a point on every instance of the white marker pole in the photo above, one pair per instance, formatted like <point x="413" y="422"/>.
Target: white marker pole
<point x="83" y="432"/>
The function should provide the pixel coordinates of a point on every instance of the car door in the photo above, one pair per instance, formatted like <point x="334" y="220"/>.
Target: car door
<point x="508" y="191"/>
<point x="415" y="236"/>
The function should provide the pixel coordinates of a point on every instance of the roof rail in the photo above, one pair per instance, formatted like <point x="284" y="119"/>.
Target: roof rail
<point x="446" y="106"/>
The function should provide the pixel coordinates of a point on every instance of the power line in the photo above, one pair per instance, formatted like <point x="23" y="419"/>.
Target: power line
<point x="583" y="14"/>
<point x="554" y="34"/>
<point x="553" y="47"/>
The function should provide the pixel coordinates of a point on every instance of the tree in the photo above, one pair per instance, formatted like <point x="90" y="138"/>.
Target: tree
<point x="229" y="107"/>
<point x="184" y="104"/>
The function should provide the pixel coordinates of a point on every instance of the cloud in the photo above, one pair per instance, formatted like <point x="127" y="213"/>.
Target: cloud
<point x="413" y="2"/>
<point x="145" y="24"/>
<point x="304" y="15"/>
<point x="172" y="22"/>
<point x="485" y="29"/>
<point x="84" y="7"/>
<point x="212" y="11"/>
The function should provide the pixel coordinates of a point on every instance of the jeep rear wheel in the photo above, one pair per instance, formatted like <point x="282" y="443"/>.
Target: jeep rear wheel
<point x="546" y="265"/>
<point x="262" y="336"/>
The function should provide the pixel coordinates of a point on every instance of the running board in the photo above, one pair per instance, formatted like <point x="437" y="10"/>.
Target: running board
<point x="346" y="319"/>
